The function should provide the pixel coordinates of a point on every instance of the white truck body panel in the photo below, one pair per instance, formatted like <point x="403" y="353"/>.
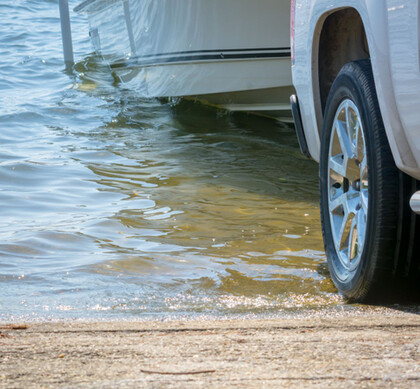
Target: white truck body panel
<point x="392" y="30"/>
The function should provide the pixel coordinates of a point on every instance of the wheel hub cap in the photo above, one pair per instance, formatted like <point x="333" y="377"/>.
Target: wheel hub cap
<point x="348" y="185"/>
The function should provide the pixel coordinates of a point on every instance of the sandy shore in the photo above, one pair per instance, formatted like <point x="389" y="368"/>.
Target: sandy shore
<point x="375" y="349"/>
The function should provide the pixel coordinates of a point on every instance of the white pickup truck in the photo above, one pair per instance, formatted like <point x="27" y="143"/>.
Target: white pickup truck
<point x="356" y="71"/>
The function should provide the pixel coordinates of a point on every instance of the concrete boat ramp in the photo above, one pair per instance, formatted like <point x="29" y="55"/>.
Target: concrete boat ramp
<point x="378" y="348"/>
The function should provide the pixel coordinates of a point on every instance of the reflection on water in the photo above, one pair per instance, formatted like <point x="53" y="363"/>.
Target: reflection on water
<point x="116" y="206"/>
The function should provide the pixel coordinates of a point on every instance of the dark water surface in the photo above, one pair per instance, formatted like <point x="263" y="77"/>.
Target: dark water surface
<point x="113" y="206"/>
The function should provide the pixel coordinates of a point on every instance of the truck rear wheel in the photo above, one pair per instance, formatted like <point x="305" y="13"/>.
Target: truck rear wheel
<point x="363" y="210"/>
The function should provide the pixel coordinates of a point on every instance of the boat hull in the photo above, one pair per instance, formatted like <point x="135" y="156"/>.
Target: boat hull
<point x="230" y="53"/>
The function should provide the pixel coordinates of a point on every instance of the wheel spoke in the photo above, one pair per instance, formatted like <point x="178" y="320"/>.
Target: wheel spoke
<point x="336" y="165"/>
<point x="361" y="227"/>
<point x="364" y="202"/>
<point x="364" y="188"/>
<point x="363" y="167"/>
<point x="360" y="144"/>
<point x="352" y="248"/>
<point x="337" y="202"/>
<point x="343" y="235"/>
<point x="347" y="119"/>
<point x="344" y="140"/>
<point x="349" y="168"/>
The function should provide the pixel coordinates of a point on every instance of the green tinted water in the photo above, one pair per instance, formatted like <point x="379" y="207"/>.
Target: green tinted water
<point x="113" y="206"/>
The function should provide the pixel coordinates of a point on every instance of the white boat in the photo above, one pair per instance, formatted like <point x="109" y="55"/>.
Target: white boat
<point x="231" y="53"/>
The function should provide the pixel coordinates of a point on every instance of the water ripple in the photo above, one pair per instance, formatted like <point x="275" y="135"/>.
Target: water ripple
<point x="117" y="206"/>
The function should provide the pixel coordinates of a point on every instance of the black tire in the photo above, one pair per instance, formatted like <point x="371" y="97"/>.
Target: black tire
<point x="389" y="249"/>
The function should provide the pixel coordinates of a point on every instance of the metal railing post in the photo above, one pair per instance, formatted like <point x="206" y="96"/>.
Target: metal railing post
<point x="66" y="33"/>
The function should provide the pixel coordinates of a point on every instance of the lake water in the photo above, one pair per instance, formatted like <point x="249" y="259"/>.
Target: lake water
<point x="113" y="206"/>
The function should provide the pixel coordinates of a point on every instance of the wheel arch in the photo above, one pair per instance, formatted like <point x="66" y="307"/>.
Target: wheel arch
<point x="340" y="37"/>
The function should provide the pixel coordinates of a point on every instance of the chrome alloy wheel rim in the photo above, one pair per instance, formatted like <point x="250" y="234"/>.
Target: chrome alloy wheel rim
<point x="348" y="185"/>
